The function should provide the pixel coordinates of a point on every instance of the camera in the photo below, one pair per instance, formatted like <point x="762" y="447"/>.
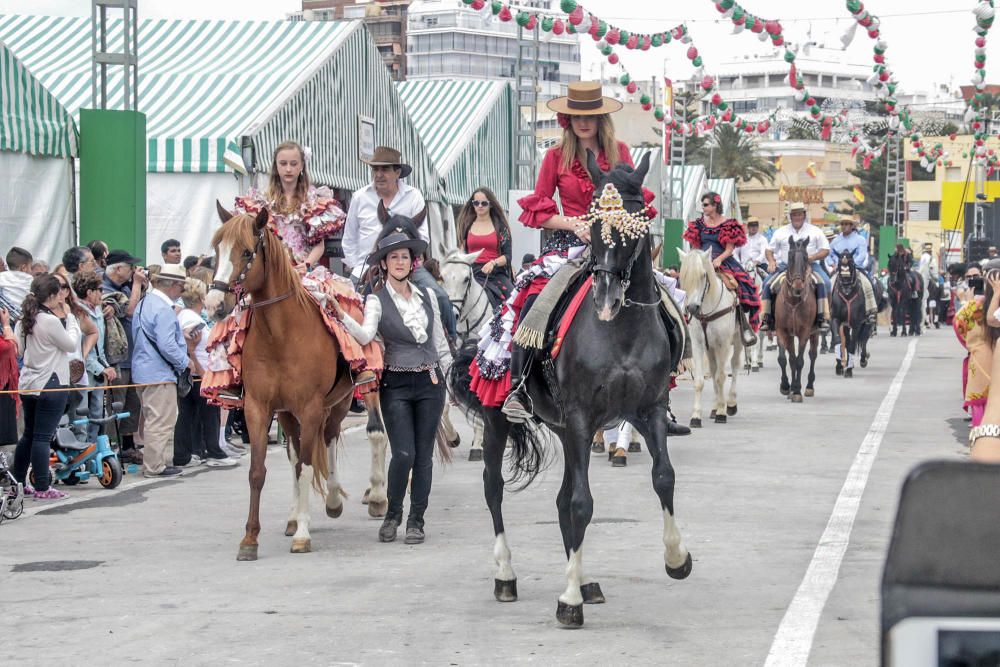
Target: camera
<point x="977" y="284"/>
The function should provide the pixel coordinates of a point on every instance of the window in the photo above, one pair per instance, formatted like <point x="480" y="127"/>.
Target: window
<point x="918" y="173"/>
<point x="934" y="210"/>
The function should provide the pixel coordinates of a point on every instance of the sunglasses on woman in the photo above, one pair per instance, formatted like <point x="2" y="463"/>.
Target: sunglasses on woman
<point x="480" y="204"/>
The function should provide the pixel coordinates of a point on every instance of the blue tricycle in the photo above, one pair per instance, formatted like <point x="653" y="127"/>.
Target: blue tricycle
<point x="74" y="460"/>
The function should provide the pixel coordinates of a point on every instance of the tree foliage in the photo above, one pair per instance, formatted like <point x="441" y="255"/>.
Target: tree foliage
<point x="734" y="154"/>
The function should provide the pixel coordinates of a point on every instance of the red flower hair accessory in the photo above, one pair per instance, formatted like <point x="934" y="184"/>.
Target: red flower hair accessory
<point x="563" y="119"/>
<point x="717" y="199"/>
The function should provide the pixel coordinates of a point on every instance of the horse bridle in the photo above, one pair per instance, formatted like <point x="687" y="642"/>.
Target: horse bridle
<point x="626" y="274"/>
<point x="236" y="286"/>
<point x="460" y="304"/>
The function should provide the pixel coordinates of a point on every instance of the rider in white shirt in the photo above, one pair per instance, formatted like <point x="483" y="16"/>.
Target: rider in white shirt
<point x="754" y="251"/>
<point x="797" y="229"/>
<point x="929" y="271"/>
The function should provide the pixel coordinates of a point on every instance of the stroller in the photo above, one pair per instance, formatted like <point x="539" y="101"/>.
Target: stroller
<point x="11" y="492"/>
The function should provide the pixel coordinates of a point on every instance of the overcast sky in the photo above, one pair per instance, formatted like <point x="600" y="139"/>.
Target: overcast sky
<point x="930" y="41"/>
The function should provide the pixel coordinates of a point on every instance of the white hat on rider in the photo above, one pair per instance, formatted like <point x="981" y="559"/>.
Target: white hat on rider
<point x="797" y="206"/>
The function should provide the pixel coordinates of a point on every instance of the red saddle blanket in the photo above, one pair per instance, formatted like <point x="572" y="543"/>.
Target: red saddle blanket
<point x="567" y="318"/>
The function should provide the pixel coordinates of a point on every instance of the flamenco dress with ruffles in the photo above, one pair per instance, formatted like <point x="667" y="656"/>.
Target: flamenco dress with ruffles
<point x="970" y="327"/>
<point x="490" y="371"/>
<point x="319" y="217"/>
<point x="703" y="237"/>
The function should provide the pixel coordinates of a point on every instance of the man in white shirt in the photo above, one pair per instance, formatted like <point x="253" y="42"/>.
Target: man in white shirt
<point x="363" y="226"/>
<point x="928" y="270"/>
<point x="797" y="229"/>
<point x="754" y="251"/>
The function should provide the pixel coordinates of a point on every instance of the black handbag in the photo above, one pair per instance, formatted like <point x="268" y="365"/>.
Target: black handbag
<point x="184" y="382"/>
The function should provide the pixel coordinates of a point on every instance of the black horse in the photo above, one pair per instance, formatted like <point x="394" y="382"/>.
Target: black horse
<point x="614" y="364"/>
<point x="847" y="310"/>
<point x="906" y="293"/>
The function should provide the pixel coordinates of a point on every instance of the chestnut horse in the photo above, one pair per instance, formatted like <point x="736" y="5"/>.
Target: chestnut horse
<point x="794" y="317"/>
<point x="291" y="366"/>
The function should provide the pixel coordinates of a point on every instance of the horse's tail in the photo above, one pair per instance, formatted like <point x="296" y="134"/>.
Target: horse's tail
<point x="528" y="444"/>
<point x="320" y="466"/>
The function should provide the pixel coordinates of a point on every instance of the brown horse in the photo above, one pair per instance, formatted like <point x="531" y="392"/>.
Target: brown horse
<point x="291" y="365"/>
<point x="794" y="317"/>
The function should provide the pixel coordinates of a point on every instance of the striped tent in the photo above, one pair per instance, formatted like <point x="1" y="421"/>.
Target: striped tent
<point x="693" y="178"/>
<point x="32" y="120"/>
<point x="468" y="130"/>
<point x="206" y="85"/>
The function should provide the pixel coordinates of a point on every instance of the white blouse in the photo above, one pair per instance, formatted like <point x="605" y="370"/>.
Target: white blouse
<point x="414" y="317"/>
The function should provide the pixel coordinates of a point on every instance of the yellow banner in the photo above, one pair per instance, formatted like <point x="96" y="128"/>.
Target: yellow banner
<point x="804" y="194"/>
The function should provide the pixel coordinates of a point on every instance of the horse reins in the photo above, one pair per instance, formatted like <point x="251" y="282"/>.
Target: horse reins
<point x="460" y="304"/>
<point x="236" y="287"/>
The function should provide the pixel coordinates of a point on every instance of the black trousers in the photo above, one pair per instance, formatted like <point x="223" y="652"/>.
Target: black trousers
<point x="41" y="418"/>
<point x="197" y="428"/>
<point x="411" y="407"/>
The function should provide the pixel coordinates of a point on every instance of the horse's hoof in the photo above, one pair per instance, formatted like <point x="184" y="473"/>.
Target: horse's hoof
<point x="301" y="546"/>
<point x="505" y="591"/>
<point x="681" y="572"/>
<point x="290" y="528"/>
<point x="864" y="363"/>
<point x="597" y="447"/>
<point x="839" y="370"/>
<point x="849" y="373"/>
<point x="476" y="454"/>
<point x="364" y="498"/>
<point x="784" y="391"/>
<point x="634" y="448"/>
<point x="619" y="461"/>
<point x="892" y="334"/>
<point x="456" y="442"/>
<point x="570" y="616"/>
<point x="247" y="552"/>
<point x="695" y="422"/>
<point x="335" y="512"/>
<point x="711" y="415"/>
<point x="755" y="369"/>
<point x="810" y="392"/>
<point x="731" y="410"/>
<point x="378" y="509"/>
<point x="796" y="398"/>
<point x="592" y="593"/>
<point x="720" y="419"/>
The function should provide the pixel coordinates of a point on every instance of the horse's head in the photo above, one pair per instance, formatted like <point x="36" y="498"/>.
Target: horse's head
<point x="846" y="268"/>
<point x="618" y="232"/>
<point x="696" y="279"/>
<point x="238" y="267"/>
<point x="899" y="266"/>
<point x="458" y="280"/>
<point x="799" y="269"/>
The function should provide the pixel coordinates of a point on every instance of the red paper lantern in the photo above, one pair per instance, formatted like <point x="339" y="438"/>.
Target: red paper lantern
<point x="692" y="53"/>
<point x="952" y="136"/>
<point x="505" y="14"/>
<point x="532" y="22"/>
<point x="631" y="87"/>
<point x="646" y="43"/>
<point x="707" y="83"/>
<point x="873" y="33"/>
<point x="613" y="36"/>
<point x="980" y="42"/>
<point x="633" y="41"/>
<point x="772" y="28"/>
<point x="558" y="27"/>
<point x="478" y="4"/>
<point x="576" y="16"/>
<point x="716" y="99"/>
<point x="613" y="58"/>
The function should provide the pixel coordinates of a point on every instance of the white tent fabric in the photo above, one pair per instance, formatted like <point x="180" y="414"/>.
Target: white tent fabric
<point x="182" y="206"/>
<point x="36" y="205"/>
<point x="726" y="187"/>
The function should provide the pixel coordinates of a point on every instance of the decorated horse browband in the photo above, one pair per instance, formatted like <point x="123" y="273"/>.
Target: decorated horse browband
<point x="608" y="209"/>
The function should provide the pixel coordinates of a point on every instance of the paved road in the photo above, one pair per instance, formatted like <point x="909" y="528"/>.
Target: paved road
<point x="161" y="584"/>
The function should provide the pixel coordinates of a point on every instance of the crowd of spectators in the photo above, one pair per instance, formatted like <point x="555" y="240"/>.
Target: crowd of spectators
<point x="100" y="328"/>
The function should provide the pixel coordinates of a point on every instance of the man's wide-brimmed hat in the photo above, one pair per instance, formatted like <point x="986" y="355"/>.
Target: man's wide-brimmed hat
<point x="797" y="206"/>
<point x="397" y="240"/>
<point x="584" y="98"/>
<point x="847" y="218"/>
<point x="389" y="157"/>
<point x="173" y="272"/>
<point x="753" y="220"/>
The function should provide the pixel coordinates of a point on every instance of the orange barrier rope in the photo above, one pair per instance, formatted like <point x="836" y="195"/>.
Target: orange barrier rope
<point x="83" y="389"/>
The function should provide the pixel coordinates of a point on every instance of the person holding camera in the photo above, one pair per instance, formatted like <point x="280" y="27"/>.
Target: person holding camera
<point x="978" y="334"/>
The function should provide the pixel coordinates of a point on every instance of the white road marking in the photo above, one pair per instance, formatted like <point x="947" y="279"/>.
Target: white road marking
<point x="794" y="638"/>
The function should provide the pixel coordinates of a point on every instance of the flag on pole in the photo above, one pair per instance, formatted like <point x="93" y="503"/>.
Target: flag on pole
<point x="858" y="194"/>
<point x="777" y="163"/>
<point x="781" y="192"/>
<point x="811" y="169"/>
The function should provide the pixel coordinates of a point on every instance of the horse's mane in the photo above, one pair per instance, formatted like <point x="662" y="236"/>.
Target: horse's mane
<point x="240" y="232"/>
<point x="697" y="265"/>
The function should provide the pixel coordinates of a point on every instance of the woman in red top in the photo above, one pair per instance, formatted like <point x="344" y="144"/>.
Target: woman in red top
<point x="482" y="225"/>
<point x="585" y="116"/>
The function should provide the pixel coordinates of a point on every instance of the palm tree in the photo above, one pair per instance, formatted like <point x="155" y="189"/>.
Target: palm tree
<point x="734" y="154"/>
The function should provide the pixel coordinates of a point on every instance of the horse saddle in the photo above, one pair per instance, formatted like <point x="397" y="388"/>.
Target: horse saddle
<point x="779" y="280"/>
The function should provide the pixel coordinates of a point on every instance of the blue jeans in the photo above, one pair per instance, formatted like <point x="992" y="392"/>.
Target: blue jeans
<point x="41" y="418"/>
<point x="93" y="400"/>
<point x="421" y="277"/>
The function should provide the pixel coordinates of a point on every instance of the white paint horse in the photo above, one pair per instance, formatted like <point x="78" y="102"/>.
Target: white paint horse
<point x="714" y="332"/>
<point x="469" y="299"/>
<point x="756" y="356"/>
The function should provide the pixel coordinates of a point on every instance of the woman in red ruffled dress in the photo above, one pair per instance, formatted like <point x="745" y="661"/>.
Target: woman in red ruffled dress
<point x="723" y="236"/>
<point x="303" y="217"/>
<point x="585" y="116"/>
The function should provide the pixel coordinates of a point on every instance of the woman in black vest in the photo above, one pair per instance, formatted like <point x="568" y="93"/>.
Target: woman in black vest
<point x="412" y="388"/>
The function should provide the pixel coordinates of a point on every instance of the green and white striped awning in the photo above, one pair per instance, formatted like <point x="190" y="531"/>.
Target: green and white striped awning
<point x="202" y="84"/>
<point x="692" y="184"/>
<point x="31" y="118"/>
<point x="467" y="128"/>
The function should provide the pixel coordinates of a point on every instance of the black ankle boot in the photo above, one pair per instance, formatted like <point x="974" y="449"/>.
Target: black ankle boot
<point x="517" y="406"/>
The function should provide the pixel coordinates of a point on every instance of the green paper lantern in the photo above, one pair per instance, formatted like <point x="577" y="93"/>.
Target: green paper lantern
<point x="624" y="79"/>
<point x="723" y="105"/>
<point x="607" y="51"/>
<point x="568" y="6"/>
<point x="789" y="57"/>
<point x="602" y="29"/>
<point x="738" y="13"/>
<point x="854" y="6"/>
<point x="697" y="61"/>
<point x="814" y="109"/>
<point x="547" y="23"/>
<point x="658" y="113"/>
<point x="570" y="28"/>
<point x="496" y="7"/>
<point x="644" y="99"/>
<point x="624" y="35"/>
<point x="727" y="4"/>
<point x="667" y="37"/>
<point x="522" y="18"/>
<point x="656" y="40"/>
